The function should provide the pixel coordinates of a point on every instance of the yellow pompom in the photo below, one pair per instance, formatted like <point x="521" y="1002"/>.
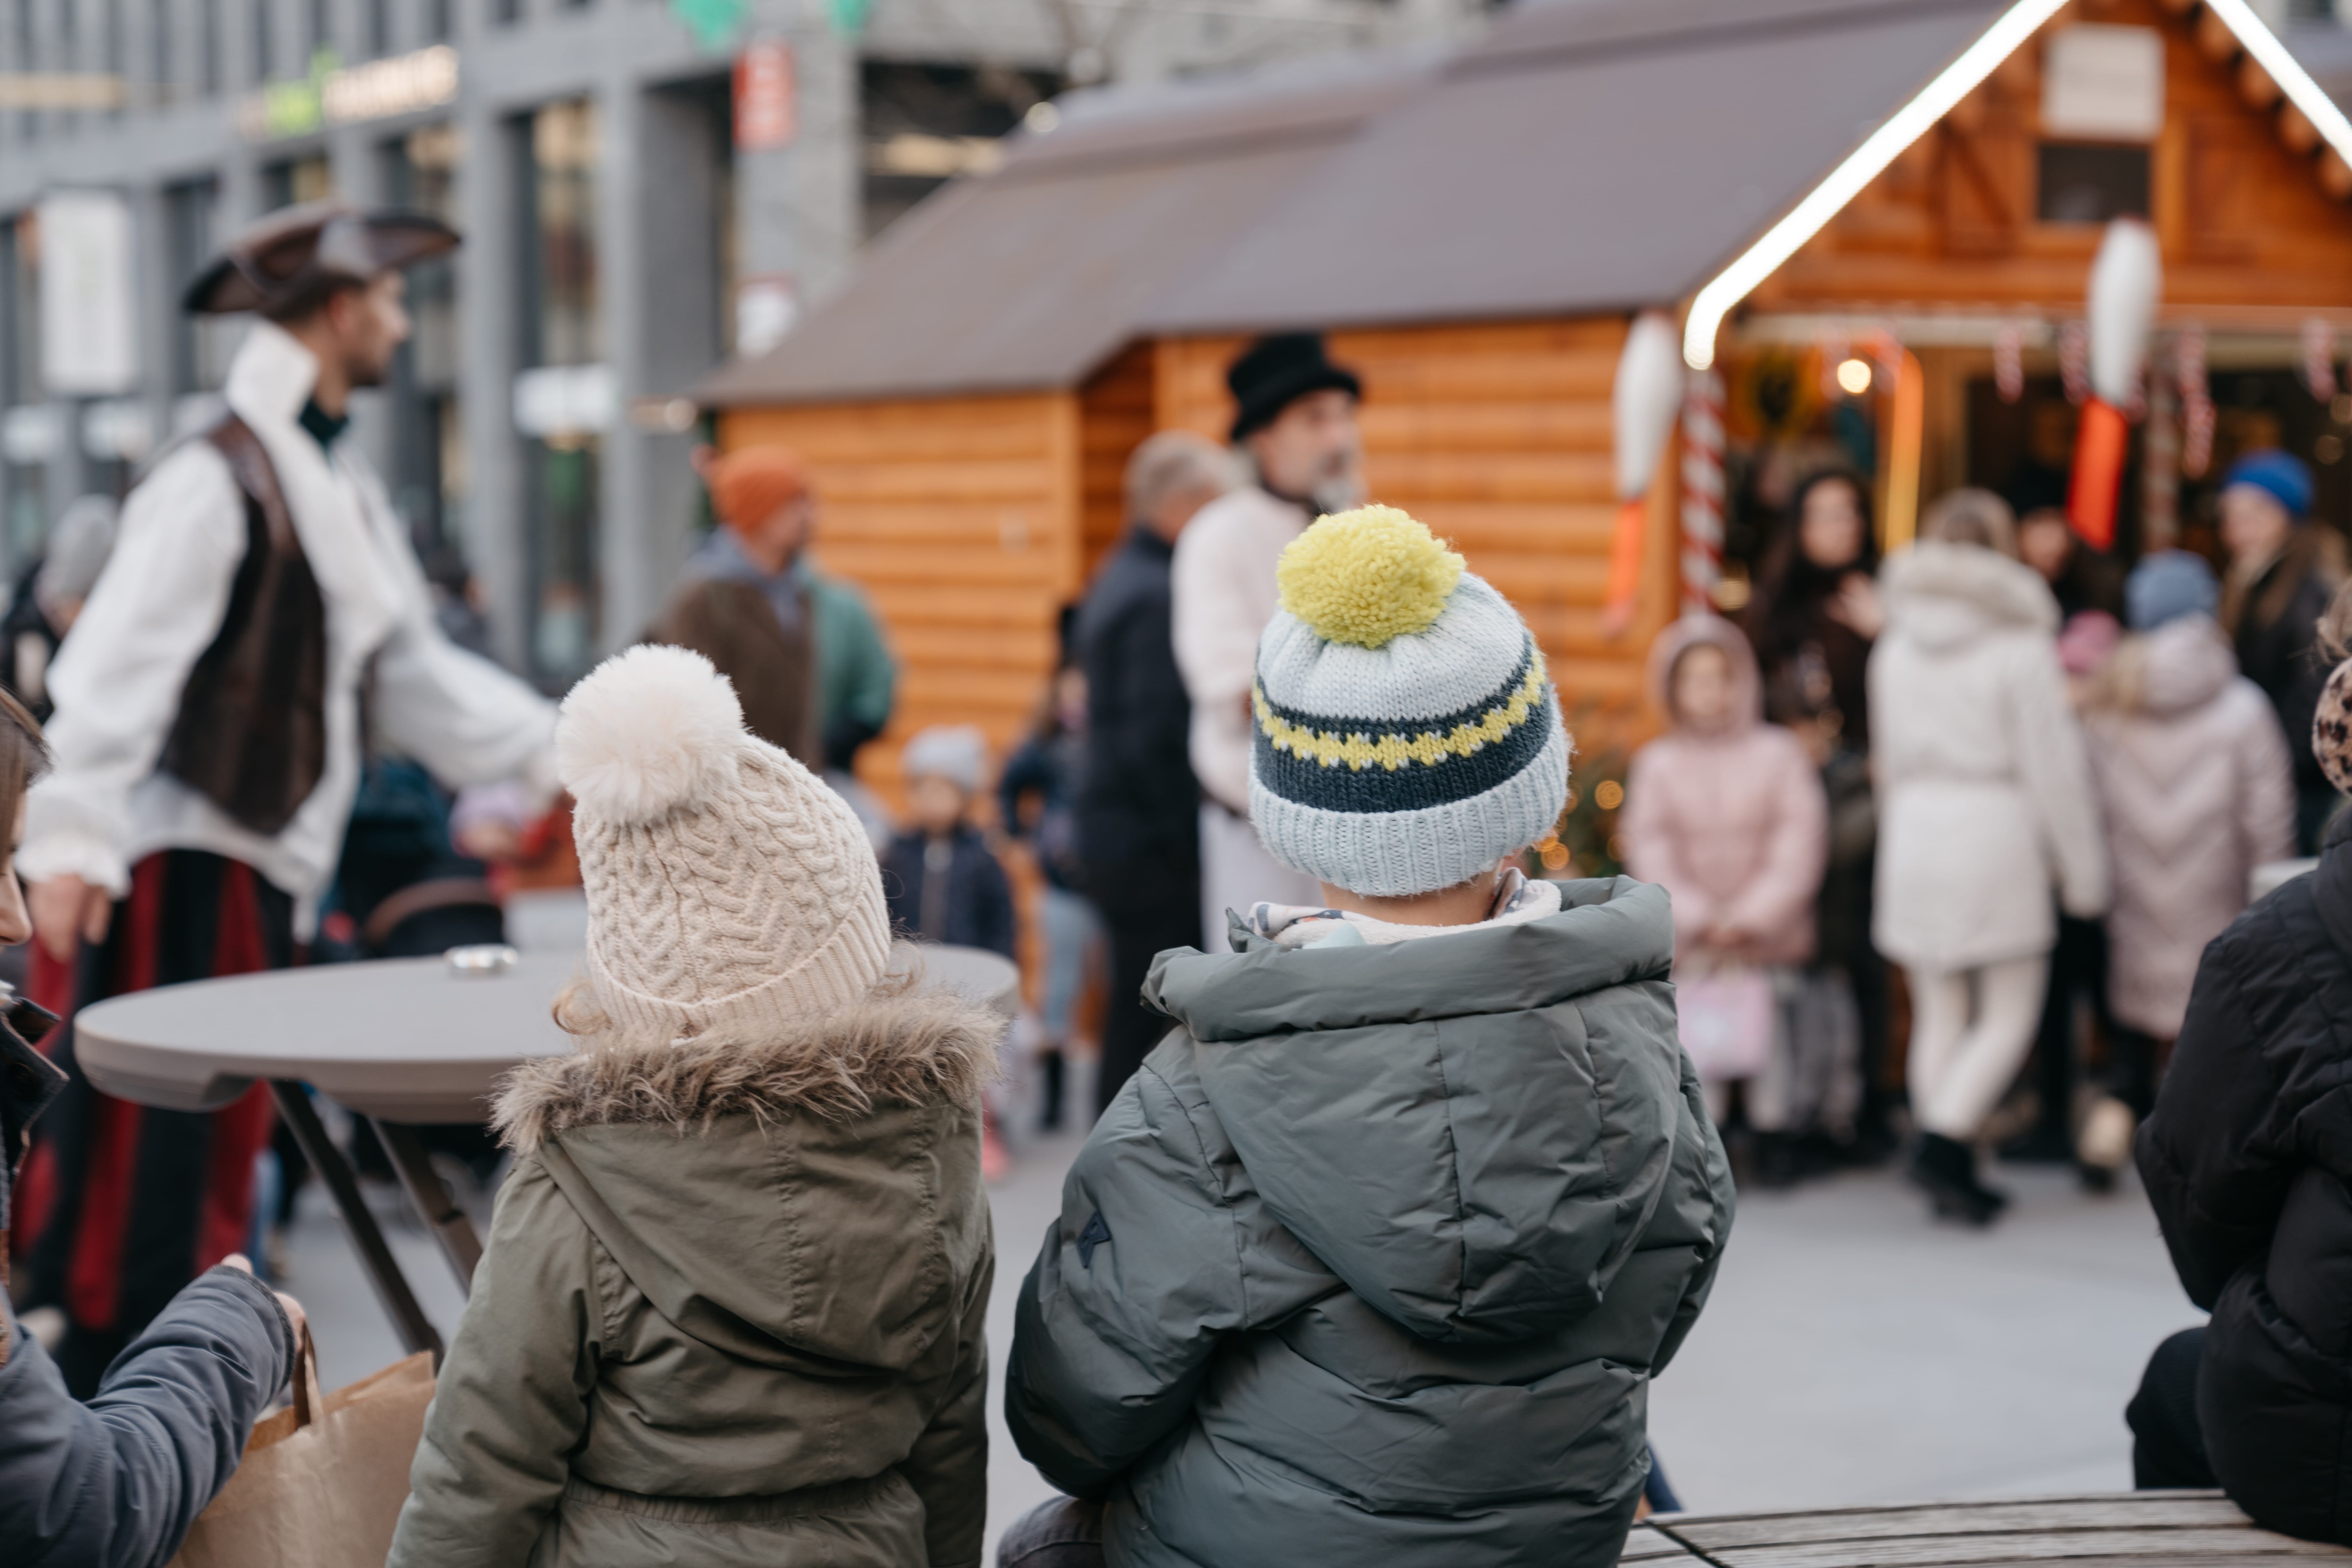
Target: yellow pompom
<point x="1367" y="576"/>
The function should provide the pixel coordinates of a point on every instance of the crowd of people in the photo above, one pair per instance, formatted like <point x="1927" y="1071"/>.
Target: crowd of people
<point x="1403" y="1173"/>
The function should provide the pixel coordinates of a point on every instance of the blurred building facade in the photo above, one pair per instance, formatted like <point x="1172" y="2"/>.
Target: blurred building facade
<point x="645" y="185"/>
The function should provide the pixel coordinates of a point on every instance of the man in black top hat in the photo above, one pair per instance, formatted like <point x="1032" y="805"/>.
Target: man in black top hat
<point x="1294" y="421"/>
<point x="207" y="737"/>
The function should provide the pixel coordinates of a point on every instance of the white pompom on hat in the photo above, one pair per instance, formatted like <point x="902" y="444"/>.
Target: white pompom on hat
<point x="730" y="893"/>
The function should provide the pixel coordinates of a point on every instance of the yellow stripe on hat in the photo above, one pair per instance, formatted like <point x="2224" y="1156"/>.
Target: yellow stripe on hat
<point x="1394" y="750"/>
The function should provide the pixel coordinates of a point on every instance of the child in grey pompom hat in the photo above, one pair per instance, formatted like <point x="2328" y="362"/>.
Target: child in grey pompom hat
<point x="1439" y="1125"/>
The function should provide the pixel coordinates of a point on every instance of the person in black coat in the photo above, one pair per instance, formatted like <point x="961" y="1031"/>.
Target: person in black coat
<point x="1138" y="805"/>
<point x="2246" y="1160"/>
<point x="942" y="881"/>
<point x="116" y="1482"/>
<point x="2283" y="572"/>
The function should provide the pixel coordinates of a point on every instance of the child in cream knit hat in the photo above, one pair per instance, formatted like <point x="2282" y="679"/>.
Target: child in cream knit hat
<point x="1373" y="1259"/>
<point x="731" y="1308"/>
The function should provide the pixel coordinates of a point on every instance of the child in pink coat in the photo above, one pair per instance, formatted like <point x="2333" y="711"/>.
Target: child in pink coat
<point x="1726" y="813"/>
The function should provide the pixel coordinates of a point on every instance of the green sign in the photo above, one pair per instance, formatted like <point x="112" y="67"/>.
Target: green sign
<point x="712" y="22"/>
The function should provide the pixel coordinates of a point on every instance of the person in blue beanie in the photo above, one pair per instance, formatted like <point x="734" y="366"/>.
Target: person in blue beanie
<point x="2282" y="574"/>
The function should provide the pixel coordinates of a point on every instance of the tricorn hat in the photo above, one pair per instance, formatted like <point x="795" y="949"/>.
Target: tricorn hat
<point x="1275" y="372"/>
<point x="294" y="249"/>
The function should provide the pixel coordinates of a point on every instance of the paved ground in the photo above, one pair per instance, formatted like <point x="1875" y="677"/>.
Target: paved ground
<point x="1852" y="1353"/>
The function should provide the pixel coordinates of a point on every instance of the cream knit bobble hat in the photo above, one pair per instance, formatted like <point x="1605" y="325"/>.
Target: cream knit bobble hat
<point x="730" y="892"/>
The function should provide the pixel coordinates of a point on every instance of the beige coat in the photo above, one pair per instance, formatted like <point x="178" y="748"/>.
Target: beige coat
<point x="1222" y="593"/>
<point x="1986" y="804"/>
<point x="2197" y="791"/>
<point x="730" y="1313"/>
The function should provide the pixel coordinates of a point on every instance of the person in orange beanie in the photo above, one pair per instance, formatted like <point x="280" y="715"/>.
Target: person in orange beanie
<point x="804" y="651"/>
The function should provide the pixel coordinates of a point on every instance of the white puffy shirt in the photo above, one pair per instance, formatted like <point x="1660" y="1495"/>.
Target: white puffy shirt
<point x="118" y="679"/>
<point x="1222" y="593"/>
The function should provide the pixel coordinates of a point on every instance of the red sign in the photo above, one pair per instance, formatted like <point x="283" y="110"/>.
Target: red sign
<point x="765" y="117"/>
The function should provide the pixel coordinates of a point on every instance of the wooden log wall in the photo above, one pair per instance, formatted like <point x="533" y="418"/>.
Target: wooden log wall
<point x="1498" y="436"/>
<point x="960" y="520"/>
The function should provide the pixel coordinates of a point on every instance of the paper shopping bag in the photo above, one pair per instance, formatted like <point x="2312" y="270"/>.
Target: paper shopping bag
<point x="1727" y="1020"/>
<point x="322" y="1482"/>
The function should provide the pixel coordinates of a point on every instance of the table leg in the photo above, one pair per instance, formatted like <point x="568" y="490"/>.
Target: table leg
<point x="416" y="1331"/>
<point x="431" y="1196"/>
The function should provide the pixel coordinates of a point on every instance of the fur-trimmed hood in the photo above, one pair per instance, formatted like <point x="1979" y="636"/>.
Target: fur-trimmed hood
<point x="814" y="1195"/>
<point x="895" y="1047"/>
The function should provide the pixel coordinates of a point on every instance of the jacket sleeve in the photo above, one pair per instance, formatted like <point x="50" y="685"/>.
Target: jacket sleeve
<point x="117" y="1483"/>
<point x="117" y="679"/>
<point x="1216" y="630"/>
<point x="1137" y="1281"/>
<point x="949" y="1466"/>
<point x="1653" y="847"/>
<point x="512" y="1402"/>
<point x="1781" y="891"/>
<point x="1696" y="1213"/>
<point x="2265" y="781"/>
<point x="1137" y="714"/>
<point x="863" y="680"/>
<point x="999" y="928"/>
<point x="2215" y="1182"/>
<point x="2048" y="745"/>
<point x="466" y="720"/>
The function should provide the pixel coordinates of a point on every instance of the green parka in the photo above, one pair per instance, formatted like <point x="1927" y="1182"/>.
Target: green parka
<point x="731" y="1312"/>
<point x="1374" y="1261"/>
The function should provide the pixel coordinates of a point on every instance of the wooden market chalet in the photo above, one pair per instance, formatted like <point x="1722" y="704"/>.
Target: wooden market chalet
<point x="1875" y="220"/>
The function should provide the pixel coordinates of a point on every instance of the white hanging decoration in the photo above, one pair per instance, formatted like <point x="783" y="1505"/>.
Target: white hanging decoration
<point x="2319" y="357"/>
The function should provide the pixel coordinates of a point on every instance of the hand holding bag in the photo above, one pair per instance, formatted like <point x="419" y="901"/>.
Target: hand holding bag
<point x="322" y="1482"/>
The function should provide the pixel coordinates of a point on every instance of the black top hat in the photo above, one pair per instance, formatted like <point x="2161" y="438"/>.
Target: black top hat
<point x="293" y="250"/>
<point x="1275" y="371"/>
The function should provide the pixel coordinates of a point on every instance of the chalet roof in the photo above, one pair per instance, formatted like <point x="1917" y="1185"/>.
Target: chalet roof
<point x="1584" y="155"/>
<point x="1034" y="275"/>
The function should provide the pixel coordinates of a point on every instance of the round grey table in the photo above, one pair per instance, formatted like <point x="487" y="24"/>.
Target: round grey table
<point x="399" y="1041"/>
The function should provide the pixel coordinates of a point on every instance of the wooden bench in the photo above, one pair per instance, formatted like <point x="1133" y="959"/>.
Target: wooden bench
<point x="2119" y="1528"/>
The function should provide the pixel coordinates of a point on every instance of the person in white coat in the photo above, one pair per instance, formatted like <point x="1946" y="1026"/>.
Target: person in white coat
<point x="1986" y="802"/>
<point x="2196" y="789"/>
<point x="207" y="736"/>
<point x="1294" y="421"/>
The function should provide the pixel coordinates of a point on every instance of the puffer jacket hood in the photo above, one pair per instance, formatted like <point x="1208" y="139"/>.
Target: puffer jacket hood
<point x="2182" y="665"/>
<point x="1712" y="631"/>
<point x="1945" y="595"/>
<point x="1459" y="1198"/>
<point x="1374" y="1258"/>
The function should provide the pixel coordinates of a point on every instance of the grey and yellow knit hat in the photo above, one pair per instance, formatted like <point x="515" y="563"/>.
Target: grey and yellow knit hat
<point x="1407" y="735"/>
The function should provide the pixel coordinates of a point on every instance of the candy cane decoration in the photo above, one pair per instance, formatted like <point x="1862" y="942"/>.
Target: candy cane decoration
<point x="2075" y="360"/>
<point x="2195" y="401"/>
<point x="1701" y="490"/>
<point x="2319" y="358"/>
<point x="2008" y="362"/>
<point x="1646" y="396"/>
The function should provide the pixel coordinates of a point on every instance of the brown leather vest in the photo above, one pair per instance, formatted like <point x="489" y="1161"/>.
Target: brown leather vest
<point x="251" y="736"/>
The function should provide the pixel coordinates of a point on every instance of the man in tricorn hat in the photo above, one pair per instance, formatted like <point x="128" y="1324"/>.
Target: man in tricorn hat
<point x="209" y="740"/>
<point x="1294" y="421"/>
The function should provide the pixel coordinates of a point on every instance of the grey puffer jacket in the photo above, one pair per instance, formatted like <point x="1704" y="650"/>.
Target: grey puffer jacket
<point x="1374" y="1261"/>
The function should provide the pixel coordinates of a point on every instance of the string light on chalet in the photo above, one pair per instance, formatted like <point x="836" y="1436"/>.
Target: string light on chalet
<point x="1646" y="396"/>
<point x="2008" y="362"/>
<point x="2197" y="417"/>
<point x="2319" y="358"/>
<point x="2127" y="279"/>
<point x="1702" y="493"/>
<point x="1854" y="376"/>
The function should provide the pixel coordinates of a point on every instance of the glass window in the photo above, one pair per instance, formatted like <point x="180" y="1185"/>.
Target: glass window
<point x="427" y="474"/>
<point x="564" y="328"/>
<point x="308" y="178"/>
<point x="201" y="343"/>
<point x="24" y="477"/>
<point x="2087" y="184"/>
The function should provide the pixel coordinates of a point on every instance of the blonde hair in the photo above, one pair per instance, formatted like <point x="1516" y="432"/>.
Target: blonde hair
<point x="1971" y="516"/>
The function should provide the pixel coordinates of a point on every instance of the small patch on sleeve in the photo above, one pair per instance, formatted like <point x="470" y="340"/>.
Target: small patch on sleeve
<point x="1095" y="1234"/>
